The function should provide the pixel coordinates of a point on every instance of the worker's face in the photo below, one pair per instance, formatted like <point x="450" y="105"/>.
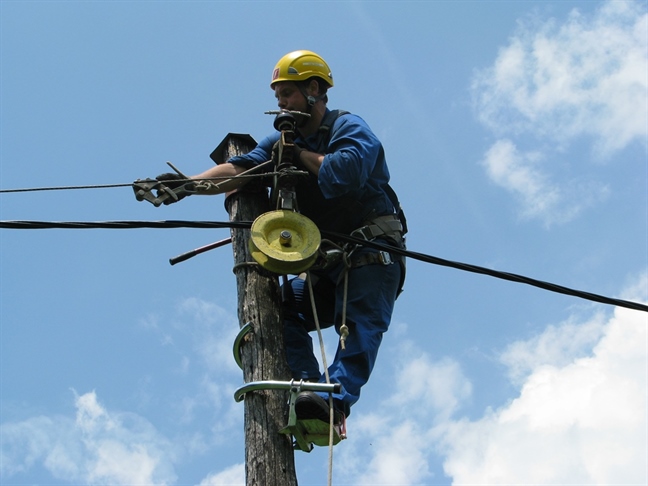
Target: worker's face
<point x="289" y="97"/>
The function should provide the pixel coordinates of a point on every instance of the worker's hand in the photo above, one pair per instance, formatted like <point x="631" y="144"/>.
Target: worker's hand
<point x="296" y="151"/>
<point x="275" y="152"/>
<point x="171" y="180"/>
<point x="178" y="184"/>
<point x="296" y="155"/>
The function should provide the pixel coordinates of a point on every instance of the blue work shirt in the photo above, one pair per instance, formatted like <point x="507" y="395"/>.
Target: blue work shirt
<point x="350" y="187"/>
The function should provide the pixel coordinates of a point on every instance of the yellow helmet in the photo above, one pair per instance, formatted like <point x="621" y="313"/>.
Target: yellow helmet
<point x="300" y="66"/>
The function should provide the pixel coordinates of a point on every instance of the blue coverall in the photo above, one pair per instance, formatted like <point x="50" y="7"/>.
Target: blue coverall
<point x="348" y="190"/>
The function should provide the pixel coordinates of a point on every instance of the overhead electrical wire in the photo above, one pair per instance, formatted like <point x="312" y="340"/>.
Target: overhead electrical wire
<point x="129" y="184"/>
<point x="512" y="277"/>
<point x="340" y="237"/>
<point x="65" y="188"/>
<point x="122" y="224"/>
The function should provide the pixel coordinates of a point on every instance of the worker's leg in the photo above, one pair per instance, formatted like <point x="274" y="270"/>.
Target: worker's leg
<point x="372" y="290"/>
<point x="298" y="322"/>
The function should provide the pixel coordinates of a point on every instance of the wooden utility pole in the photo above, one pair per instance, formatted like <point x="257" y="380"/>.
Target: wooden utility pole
<point x="269" y="455"/>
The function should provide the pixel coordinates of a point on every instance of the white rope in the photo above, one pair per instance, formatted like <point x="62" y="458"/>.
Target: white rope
<point x="326" y="374"/>
<point x="344" y="332"/>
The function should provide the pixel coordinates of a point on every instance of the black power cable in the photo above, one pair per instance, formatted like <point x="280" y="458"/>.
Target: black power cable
<point x="335" y="236"/>
<point x="122" y="224"/>
<point x="512" y="277"/>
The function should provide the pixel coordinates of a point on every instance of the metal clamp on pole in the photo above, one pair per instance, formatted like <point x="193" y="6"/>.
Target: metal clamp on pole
<point x="239" y="394"/>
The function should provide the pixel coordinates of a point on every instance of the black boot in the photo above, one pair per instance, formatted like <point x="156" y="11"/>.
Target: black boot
<point x="309" y="405"/>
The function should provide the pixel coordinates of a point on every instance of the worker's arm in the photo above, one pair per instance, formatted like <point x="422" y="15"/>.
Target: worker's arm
<point x="311" y="161"/>
<point x="218" y="186"/>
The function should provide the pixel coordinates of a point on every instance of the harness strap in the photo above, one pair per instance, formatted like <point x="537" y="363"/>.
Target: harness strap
<point x="389" y="226"/>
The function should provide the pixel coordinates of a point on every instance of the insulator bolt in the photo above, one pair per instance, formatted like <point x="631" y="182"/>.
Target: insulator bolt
<point x="285" y="237"/>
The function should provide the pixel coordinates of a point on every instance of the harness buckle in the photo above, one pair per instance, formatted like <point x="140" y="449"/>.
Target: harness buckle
<point x="385" y="258"/>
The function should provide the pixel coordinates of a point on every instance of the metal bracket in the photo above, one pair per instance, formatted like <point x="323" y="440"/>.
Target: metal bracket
<point x="286" y="199"/>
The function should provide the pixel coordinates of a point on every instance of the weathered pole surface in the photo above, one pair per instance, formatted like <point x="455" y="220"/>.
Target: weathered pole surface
<point x="269" y="455"/>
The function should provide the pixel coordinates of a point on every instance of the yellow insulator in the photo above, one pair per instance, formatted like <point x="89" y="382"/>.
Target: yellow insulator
<point x="284" y="242"/>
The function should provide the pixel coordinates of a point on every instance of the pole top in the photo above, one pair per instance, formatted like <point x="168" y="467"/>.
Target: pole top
<point x="219" y="155"/>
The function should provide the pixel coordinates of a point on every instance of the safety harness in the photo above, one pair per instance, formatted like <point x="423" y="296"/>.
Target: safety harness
<point x="391" y="227"/>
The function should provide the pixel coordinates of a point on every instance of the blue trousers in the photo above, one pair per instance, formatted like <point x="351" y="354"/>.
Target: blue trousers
<point x="372" y="291"/>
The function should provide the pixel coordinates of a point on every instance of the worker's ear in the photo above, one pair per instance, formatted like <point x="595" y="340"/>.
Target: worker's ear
<point x="313" y="87"/>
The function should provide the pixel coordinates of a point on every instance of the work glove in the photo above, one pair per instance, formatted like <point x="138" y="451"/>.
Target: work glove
<point x="174" y="182"/>
<point x="296" y="151"/>
<point x="275" y="152"/>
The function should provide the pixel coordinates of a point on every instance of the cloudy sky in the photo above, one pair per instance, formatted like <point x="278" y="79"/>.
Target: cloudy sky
<point x="516" y="134"/>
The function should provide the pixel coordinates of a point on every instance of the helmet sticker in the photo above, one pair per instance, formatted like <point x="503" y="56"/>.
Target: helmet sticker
<point x="275" y="74"/>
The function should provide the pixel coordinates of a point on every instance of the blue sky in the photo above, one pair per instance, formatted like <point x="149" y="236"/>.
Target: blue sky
<point x="516" y="134"/>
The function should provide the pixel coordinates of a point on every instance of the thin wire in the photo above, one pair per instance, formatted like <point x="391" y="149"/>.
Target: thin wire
<point x="64" y="188"/>
<point x="338" y="237"/>
<point x="130" y="184"/>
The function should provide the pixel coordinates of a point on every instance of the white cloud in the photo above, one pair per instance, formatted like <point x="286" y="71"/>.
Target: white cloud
<point x="524" y="175"/>
<point x="579" y="416"/>
<point x="200" y="336"/>
<point x="576" y="421"/>
<point x="400" y="435"/>
<point x="440" y="385"/>
<point x="556" y="346"/>
<point x="584" y="76"/>
<point x="232" y="476"/>
<point x="24" y="444"/>
<point x="213" y="330"/>
<point x="98" y="447"/>
<point x="399" y="456"/>
<point x="515" y="171"/>
<point x="555" y="83"/>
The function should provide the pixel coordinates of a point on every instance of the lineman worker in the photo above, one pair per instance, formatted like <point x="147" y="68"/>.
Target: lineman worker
<point x="346" y="191"/>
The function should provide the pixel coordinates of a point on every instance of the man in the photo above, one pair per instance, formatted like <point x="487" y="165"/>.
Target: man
<point x="346" y="191"/>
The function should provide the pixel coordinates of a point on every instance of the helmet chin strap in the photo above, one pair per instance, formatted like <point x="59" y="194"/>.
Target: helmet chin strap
<point x="313" y="99"/>
<point x="310" y="100"/>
